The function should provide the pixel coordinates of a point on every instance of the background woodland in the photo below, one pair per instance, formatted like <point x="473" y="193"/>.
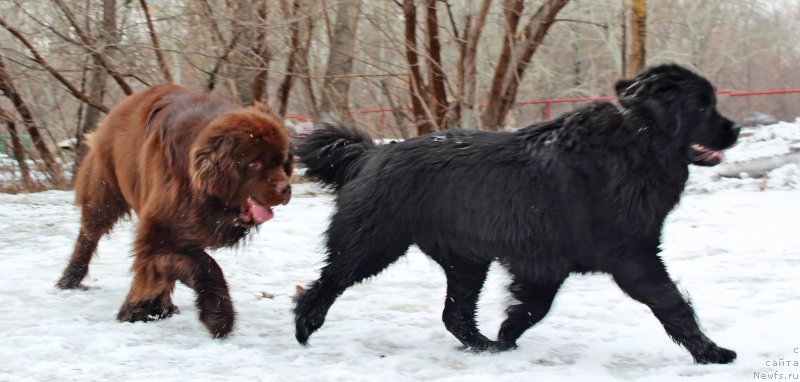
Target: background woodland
<point x="430" y="64"/>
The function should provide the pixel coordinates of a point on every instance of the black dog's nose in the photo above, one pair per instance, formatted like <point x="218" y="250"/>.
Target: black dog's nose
<point x="736" y="129"/>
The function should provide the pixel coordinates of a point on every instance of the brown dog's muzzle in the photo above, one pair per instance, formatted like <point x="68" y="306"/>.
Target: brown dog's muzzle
<point x="284" y="191"/>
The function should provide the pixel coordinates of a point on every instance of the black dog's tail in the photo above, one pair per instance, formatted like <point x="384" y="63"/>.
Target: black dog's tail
<point x="334" y="154"/>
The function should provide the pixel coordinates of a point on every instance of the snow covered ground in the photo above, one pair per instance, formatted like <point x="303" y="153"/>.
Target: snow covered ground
<point x="733" y="248"/>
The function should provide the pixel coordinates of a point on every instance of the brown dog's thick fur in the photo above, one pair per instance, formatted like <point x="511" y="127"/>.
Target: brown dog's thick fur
<point x="200" y="172"/>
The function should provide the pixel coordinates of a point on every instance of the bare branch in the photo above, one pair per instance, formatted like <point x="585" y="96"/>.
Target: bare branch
<point x="55" y="73"/>
<point x="101" y="58"/>
<point x="162" y="64"/>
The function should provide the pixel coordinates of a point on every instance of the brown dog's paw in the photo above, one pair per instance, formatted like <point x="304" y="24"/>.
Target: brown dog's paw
<point x="67" y="284"/>
<point x="217" y="313"/>
<point x="146" y="311"/>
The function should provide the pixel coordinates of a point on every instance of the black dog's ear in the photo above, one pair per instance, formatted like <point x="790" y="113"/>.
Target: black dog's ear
<point x="638" y="95"/>
<point x="667" y="115"/>
<point x="621" y="86"/>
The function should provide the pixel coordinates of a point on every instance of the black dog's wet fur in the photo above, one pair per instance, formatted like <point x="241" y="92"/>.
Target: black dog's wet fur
<point x="587" y="192"/>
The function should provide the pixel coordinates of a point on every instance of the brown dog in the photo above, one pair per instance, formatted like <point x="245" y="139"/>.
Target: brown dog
<point x="200" y="172"/>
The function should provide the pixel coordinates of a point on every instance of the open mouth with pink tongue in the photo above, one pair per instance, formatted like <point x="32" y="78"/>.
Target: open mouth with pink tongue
<point x="704" y="156"/>
<point x="255" y="213"/>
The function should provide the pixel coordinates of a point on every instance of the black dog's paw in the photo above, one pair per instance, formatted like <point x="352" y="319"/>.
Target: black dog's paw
<point x="489" y="346"/>
<point x="715" y="354"/>
<point x="305" y="326"/>
<point x="145" y="311"/>
<point x="309" y="314"/>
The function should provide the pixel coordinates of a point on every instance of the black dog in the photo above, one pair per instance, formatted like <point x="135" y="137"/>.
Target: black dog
<point x="587" y="192"/>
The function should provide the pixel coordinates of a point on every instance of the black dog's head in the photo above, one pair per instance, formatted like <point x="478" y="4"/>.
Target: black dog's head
<point x="683" y="105"/>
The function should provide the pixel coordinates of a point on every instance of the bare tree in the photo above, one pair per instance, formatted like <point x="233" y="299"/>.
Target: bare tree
<point x="437" y="94"/>
<point x="421" y="65"/>
<point x="638" y="52"/>
<point x="518" y="49"/>
<point x="162" y="63"/>
<point x="418" y="89"/>
<point x="18" y="149"/>
<point x="263" y="54"/>
<point x="9" y="90"/>
<point x="101" y="60"/>
<point x="301" y="31"/>
<point x="336" y="87"/>
<point x="39" y="59"/>
<point x="107" y="35"/>
<point x="467" y="109"/>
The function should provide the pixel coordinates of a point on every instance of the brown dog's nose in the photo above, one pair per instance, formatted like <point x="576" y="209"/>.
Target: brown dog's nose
<point x="285" y="191"/>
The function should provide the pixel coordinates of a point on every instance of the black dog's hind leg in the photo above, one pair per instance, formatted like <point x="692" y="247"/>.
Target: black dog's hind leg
<point x="344" y="268"/>
<point x="647" y="281"/>
<point x="535" y="299"/>
<point x="465" y="278"/>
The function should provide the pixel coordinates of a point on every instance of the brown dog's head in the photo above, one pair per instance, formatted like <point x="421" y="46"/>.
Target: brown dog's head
<point x="242" y="158"/>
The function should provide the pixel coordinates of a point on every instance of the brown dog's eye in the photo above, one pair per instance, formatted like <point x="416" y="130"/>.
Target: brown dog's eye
<point x="254" y="165"/>
<point x="287" y="166"/>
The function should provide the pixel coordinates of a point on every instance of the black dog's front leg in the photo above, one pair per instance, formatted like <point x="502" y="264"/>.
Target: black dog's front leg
<point x="647" y="281"/>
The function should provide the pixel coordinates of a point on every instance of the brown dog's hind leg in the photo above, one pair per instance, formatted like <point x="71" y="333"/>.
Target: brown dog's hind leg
<point x="102" y="205"/>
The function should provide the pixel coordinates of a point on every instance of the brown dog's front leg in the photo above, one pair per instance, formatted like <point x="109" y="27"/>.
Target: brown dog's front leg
<point x="156" y="269"/>
<point x="200" y="272"/>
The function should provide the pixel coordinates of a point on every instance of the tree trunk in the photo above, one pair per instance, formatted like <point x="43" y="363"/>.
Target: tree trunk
<point x="95" y="51"/>
<point x="469" y="100"/>
<point x="335" y="101"/>
<point x="18" y="149"/>
<point x="301" y="30"/>
<point x="294" y="45"/>
<point x="527" y="41"/>
<point x="162" y="63"/>
<point x="107" y="35"/>
<point x="638" y="51"/>
<point x="624" y="43"/>
<point x="397" y="114"/>
<point x="437" y="94"/>
<point x="263" y="55"/>
<point x="77" y="93"/>
<point x="512" y="9"/>
<point x="417" y="85"/>
<point x="304" y="67"/>
<point x="7" y="86"/>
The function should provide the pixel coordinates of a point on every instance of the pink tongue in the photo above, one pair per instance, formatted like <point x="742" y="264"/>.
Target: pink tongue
<point x="259" y="213"/>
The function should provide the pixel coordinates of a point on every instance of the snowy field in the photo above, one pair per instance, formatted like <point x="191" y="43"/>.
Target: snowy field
<point x="732" y="244"/>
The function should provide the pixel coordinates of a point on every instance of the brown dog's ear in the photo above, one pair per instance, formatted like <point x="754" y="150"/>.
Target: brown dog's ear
<point x="264" y="108"/>
<point x="213" y="169"/>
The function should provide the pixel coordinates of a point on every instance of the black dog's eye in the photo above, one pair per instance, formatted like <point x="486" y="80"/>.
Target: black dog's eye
<point x="254" y="165"/>
<point x="701" y="109"/>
